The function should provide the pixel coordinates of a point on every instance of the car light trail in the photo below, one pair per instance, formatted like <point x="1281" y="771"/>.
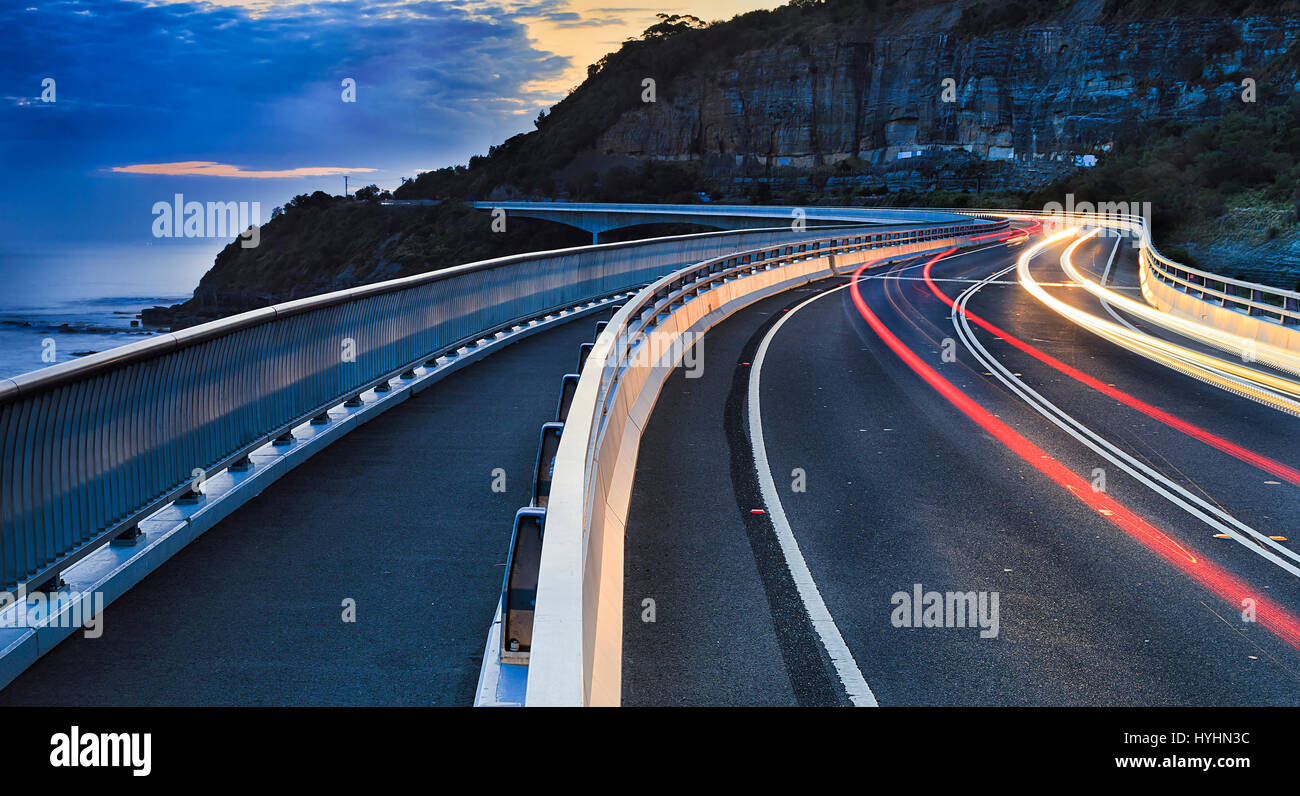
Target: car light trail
<point x="1204" y="511"/>
<point x="1203" y="332"/>
<point x="1272" y="616"/>
<point x="1264" y="463"/>
<point x="1267" y="389"/>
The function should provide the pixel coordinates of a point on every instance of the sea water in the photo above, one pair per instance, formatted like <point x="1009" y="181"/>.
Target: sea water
<point x="61" y="302"/>
<point x="76" y="328"/>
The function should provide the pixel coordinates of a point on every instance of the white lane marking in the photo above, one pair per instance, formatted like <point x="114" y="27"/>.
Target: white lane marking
<point x="1153" y="479"/>
<point x="1104" y="274"/>
<point x="847" y="668"/>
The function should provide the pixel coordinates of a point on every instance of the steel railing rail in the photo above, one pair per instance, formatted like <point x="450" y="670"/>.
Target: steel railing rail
<point x="89" y="448"/>
<point x="1230" y="293"/>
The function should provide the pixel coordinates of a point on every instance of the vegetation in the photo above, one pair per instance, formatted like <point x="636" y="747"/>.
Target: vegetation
<point x="1191" y="174"/>
<point x="1245" y="162"/>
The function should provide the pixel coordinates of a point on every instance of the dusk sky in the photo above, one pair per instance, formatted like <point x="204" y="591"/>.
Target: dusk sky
<point x="153" y="98"/>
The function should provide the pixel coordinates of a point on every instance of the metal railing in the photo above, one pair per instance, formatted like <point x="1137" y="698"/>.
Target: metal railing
<point x="1251" y="298"/>
<point x="89" y="448"/>
<point x="652" y="302"/>
<point x="574" y="655"/>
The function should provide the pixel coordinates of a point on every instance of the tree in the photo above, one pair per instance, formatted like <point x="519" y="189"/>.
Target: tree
<point x="671" y="25"/>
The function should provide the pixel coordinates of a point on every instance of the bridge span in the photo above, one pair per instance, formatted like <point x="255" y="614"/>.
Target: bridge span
<point x="704" y="469"/>
<point x="598" y="218"/>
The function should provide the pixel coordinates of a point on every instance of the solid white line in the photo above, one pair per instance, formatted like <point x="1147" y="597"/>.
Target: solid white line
<point x="1106" y="304"/>
<point x="847" y="668"/>
<point x="1149" y="477"/>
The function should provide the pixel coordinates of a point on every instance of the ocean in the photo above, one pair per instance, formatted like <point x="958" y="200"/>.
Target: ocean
<point x="35" y="337"/>
<point x="59" y="302"/>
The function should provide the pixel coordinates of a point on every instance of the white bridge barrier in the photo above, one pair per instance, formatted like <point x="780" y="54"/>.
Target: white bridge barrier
<point x="577" y="631"/>
<point x="576" y="655"/>
<point x="1267" y="315"/>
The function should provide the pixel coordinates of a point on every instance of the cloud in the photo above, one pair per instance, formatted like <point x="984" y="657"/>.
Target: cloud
<point x="248" y="95"/>
<point x="204" y="168"/>
<point x="155" y="81"/>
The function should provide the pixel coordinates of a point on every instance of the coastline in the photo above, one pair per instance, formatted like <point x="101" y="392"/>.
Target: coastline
<point x="36" y="337"/>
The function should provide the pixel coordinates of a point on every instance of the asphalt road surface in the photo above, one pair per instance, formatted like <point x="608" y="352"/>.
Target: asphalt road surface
<point x="1109" y="594"/>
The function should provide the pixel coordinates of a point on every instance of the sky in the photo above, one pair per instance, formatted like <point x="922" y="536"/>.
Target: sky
<point x="243" y="101"/>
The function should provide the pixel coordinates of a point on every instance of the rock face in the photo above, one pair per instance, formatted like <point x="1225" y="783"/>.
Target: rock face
<point x="926" y="95"/>
<point x="1042" y="98"/>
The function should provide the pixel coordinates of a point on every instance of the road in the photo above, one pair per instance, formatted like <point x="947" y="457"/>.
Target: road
<point x="399" y="516"/>
<point x="1109" y="592"/>
<point x="1117" y="511"/>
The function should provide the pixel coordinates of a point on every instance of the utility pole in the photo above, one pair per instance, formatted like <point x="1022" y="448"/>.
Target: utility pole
<point x="345" y="186"/>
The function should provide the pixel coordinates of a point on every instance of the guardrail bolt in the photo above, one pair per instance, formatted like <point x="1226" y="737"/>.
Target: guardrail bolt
<point x="128" y="538"/>
<point x="49" y="585"/>
<point x="190" y="497"/>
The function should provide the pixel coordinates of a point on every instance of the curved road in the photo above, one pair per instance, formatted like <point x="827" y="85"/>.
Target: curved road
<point x="1108" y="596"/>
<point x="1116" y="510"/>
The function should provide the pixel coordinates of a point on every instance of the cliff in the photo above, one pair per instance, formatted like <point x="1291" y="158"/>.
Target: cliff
<point x="851" y="101"/>
<point x="880" y="95"/>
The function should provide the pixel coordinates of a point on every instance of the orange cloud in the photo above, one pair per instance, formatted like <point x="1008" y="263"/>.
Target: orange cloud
<point x="206" y="168"/>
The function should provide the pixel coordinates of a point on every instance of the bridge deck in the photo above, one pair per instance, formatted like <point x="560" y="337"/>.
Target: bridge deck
<point x="399" y="515"/>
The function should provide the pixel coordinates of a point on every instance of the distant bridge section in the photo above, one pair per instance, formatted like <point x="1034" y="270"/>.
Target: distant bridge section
<point x="598" y="218"/>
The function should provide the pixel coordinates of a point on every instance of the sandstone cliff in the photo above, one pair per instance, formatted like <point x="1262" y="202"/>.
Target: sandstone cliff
<point x="1040" y="98"/>
<point x="868" y="102"/>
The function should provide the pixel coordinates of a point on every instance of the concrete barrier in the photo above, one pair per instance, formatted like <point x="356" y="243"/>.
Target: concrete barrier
<point x="576" y="657"/>
<point x="1173" y="288"/>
